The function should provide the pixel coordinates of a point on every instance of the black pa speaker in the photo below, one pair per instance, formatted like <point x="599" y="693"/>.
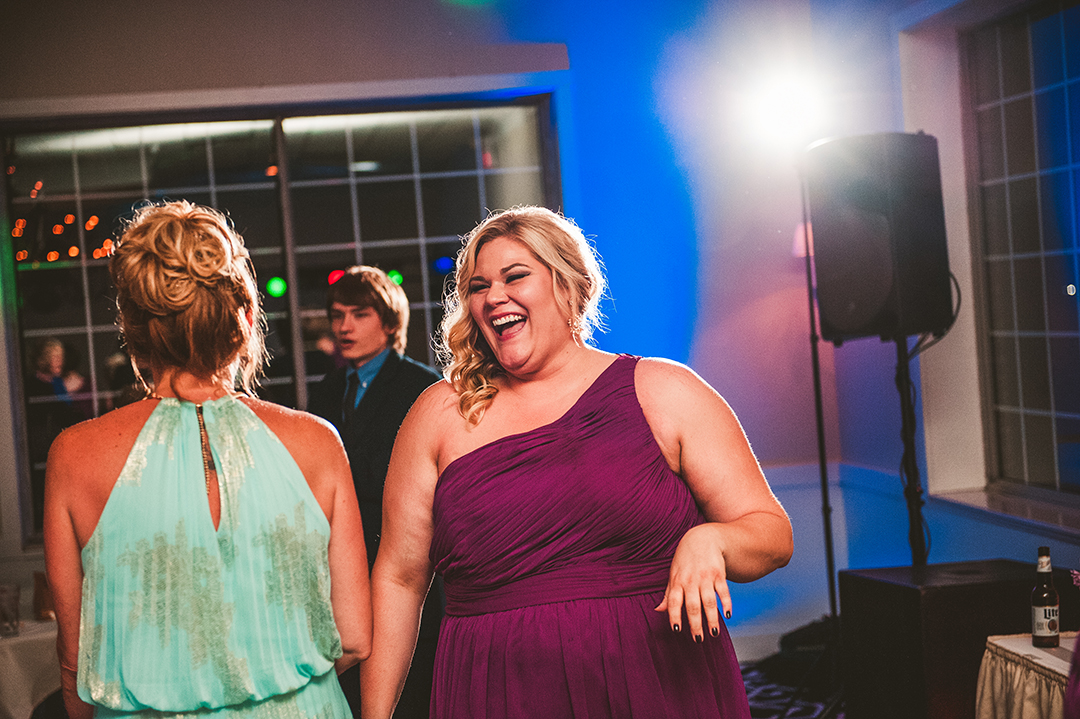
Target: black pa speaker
<point x="878" y="228"/>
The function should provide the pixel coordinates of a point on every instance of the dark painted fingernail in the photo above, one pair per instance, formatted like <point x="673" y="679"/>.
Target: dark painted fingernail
<point x="727" y="614"/>
<point x="715" y="632"/>
<point x="674" y="627"/>
<point x="698" y="638"/>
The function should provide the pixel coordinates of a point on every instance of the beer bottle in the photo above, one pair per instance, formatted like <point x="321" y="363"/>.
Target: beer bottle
<point x="1044" y="604"/>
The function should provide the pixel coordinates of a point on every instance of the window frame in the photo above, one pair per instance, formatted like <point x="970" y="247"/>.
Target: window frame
<point x="540" y="99"/>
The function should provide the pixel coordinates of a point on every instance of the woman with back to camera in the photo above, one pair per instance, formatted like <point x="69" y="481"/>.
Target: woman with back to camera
<point x="204" y="548"/>
<point x="584" y="509"/>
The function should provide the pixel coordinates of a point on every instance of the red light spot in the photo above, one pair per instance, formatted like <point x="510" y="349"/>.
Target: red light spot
<point x="16" y="232"/>
<point x="97" y="253"/>
<point x="21" y="255"/>
<point x="487" y="160"/>
<point x="20" y="223"/>
<point x="107" y="245"/>
<point x="335" y="276"/>
<point x="68" y="219"/>
<point x="37" y="185"/>
<point x="58" y="229"/>
<point x="53" y="256"/>
<point x="93" y="220"/>
<point x="73" y="251"/>
<point x="11" y="169"/>
<point x="33" y="194"/>
<point x="271" y="171"/>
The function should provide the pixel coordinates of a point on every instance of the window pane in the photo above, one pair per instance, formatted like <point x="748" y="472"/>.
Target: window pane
<point x="1056" y="211"/>
<point x="176" y="157"/>
<point x="242" y="152"/>
<point x="1046" y="51"/>
<point x="1071" y="24"/>
<point x="991" y="151"/>
<point x="1010" y="446"/>
<point x="999" y="290"/>
<point x="451" y="206"/>
<point x="984" y="65"/>
<point x="387" y="210"/>
<point x="507" y="189"/>
<point x="316" y="148"/>
<point x="1034" y="373"/>
<point x="256" y="215"/>
<point x="1030" y="310"/>
<point x="1015" y="63"/>
<point x="1024" y="216"/>
<point x="382" y="149"/>
<point x="107" y="167"/>
<point x="1020" y="136"/>
<point x="1068" y="446"/>
<point x="445" y="142"/>
<point x="1061" y="294"/>
<point x="1039" y="436"/>
<point x="509" y="138"/>
<point x="1065" y="358"/>
<point x="1052" y="142"/>
<point x="441" y="257"/>
<point x="42" y="158"/>
<point x="322" y="215"/>
<point x="995" y="220"/>
<point x="1006" y="373"/>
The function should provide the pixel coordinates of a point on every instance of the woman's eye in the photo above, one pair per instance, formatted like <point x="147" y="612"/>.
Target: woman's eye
<point x="512" y="278"/>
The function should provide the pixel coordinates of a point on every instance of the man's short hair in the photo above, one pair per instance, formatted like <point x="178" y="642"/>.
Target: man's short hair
<point x="364" y="286"/>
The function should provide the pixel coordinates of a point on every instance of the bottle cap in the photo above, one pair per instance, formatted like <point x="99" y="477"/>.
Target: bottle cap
<point x="1044" y="551"/>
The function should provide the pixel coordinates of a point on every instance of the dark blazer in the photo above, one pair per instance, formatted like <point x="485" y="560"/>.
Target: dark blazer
<point x="368" y="441"/>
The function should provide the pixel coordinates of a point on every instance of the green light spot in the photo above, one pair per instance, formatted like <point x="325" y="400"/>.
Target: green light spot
<point x="395" y="276"/>
<point x="276" y="287"/>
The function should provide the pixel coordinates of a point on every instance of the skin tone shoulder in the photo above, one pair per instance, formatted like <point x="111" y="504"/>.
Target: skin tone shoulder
<point x="513" y="302"/>
<point x="76" y="491"/>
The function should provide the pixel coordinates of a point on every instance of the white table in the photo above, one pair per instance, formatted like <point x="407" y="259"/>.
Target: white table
<point x="1020" y="681"/>
<point x="29" y="669"/>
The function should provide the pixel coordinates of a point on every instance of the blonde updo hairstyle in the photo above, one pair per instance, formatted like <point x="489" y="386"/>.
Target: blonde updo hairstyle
<point x="186" y="295"/>
<point x="578" y="283"/>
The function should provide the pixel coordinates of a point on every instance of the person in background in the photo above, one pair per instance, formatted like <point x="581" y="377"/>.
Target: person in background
<point x="367" y="401"/>
<point x="203" y="547"/>
<point x="586" y="510"/>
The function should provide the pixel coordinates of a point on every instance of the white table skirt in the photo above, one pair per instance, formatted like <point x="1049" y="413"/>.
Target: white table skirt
<point x="29" y="669"/>
<point x="1020" y="681"/>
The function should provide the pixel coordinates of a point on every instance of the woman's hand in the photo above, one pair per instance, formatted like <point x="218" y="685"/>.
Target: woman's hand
<point x="698" y="575"/>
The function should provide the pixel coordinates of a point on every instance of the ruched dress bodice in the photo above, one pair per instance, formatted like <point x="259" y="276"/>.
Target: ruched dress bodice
<point x="178" y="616"/>
<point x="555" y="546"/>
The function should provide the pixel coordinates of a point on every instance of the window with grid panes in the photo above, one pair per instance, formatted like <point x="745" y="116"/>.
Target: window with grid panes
<point x="1024" y="84"/>
<point x="309" y="194"/>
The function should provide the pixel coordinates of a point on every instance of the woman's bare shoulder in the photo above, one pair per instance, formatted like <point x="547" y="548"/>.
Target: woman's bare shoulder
<point x="292" y="425"/>
<point x="657" y="379"/>
<point x="119" y="427"/>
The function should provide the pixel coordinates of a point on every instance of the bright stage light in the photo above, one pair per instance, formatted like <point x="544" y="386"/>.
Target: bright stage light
<point x="784" y="110"/>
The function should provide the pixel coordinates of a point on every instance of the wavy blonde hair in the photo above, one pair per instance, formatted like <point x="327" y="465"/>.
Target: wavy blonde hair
<point x="577" y="279"/>
<point x="186" y="295"/>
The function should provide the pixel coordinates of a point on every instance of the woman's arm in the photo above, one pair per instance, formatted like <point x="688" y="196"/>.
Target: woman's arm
<point x="403" y="571"/>
<point x="748" y="534"/>
<point x="63" y="565"/>
<point x="350" y="588"/>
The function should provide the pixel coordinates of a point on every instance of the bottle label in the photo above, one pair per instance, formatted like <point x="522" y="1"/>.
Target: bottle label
<point x="1044" y="621"/>
<point x="1043" y="565"/>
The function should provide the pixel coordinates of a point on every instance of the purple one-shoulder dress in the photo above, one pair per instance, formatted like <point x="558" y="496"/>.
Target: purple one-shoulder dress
<point x="555" y="546"/>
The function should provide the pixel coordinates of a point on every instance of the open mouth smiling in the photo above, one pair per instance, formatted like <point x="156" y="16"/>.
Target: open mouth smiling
<point x="501" y="324"/>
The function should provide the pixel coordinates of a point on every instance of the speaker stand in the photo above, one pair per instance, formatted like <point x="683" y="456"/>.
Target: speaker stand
<point x="831" y="652"/>
<point x="909" y="468"/>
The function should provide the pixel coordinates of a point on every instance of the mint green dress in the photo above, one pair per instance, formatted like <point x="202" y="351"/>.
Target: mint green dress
<point x="178" y="617"/>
